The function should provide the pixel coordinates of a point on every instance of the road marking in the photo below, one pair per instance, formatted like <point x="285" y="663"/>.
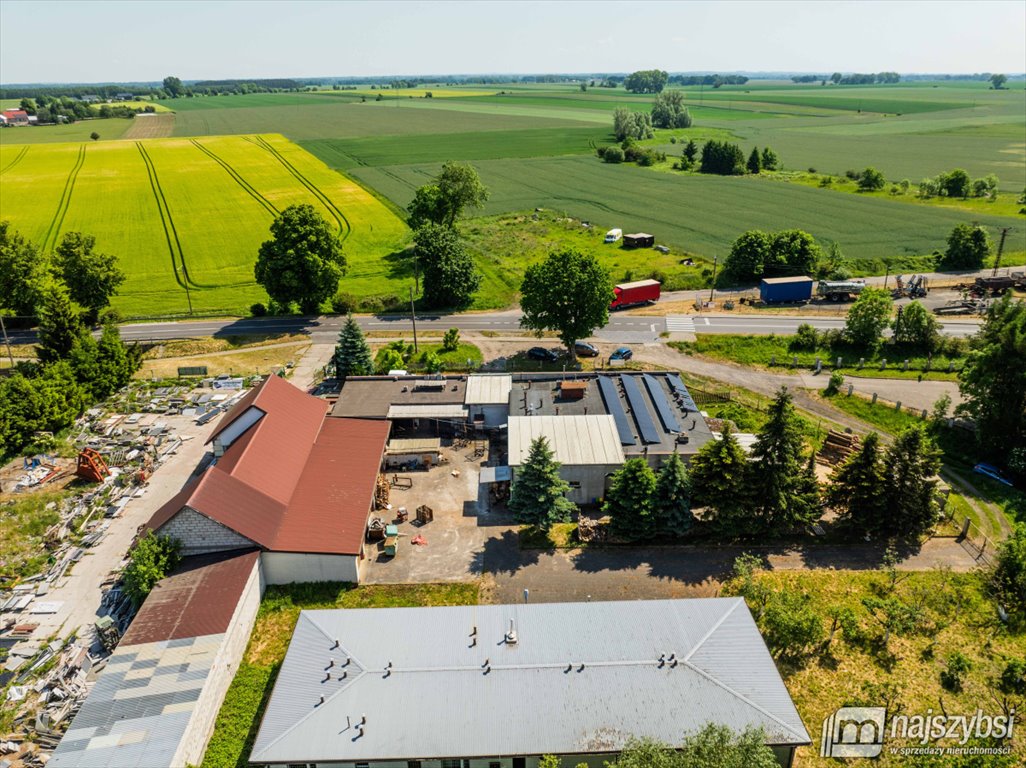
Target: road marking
<point x="680" y="324"/>
<point x="707" y="321"/>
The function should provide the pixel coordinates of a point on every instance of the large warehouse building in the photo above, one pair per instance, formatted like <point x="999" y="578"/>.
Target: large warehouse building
<point x="497" y="686"/>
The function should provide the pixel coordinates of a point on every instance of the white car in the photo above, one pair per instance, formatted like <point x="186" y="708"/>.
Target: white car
<point x="614" y="235"/>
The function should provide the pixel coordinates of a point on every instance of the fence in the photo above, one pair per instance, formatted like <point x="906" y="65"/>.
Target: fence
<point x="973" y="540"/>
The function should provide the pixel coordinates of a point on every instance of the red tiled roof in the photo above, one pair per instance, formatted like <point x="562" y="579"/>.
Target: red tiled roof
<point x="15" y="113"/>
<point x="294" y="481"/>
<point x="197" y="599"/>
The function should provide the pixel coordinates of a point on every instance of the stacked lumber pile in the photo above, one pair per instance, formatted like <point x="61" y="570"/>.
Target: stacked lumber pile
<point x="837" y="447"/>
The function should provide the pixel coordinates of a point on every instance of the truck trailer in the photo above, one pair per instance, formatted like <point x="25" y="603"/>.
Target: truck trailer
<point x="636" y="293"/>
<point x="840" y="290"/>
<point x="781" y="289"/>
<point x="613" y="235"/>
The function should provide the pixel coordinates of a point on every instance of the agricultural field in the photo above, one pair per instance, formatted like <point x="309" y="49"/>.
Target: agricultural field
<point x="701" y="214"/>
<point x="110" y="128"/>
<point x="186" y="217"/>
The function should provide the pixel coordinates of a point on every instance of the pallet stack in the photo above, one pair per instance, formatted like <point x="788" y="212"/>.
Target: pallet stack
<point x="837" y="447"/>
<point x="381" y="493"/>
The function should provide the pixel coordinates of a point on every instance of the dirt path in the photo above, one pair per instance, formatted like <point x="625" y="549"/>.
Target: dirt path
<point x="150" y="126"/>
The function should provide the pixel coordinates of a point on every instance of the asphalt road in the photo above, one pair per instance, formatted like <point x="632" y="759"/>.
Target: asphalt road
<point x="624" y="328"/>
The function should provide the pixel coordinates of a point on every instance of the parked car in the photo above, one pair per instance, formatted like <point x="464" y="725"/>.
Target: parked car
<point x="584" y="349"/>
<point x="623" y="353"/>
<point x="543" y="354"/>
<point x="992" y="472"/>
<point x="662" y="249"/>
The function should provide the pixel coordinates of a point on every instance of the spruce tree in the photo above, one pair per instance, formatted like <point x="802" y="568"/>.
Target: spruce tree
<point x="754" y="163"/>
<point x="690" y="151"/>
<point x="59" y="325"/>
<point x="538" y="495"/>
<point x="672" y="498"/>
<point x="352" y="355"/>
<point x="629" y="501"/>
<point x="117" y="362"/>
<point x="778" y="459"/>
<point x="719" y="482"/>
<point x="857" y="486"/>
<point x="769" y="159"/>
<point x="912" y="463"/>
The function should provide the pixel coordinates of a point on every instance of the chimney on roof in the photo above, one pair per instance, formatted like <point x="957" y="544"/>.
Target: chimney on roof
<point x="511" y="636"/>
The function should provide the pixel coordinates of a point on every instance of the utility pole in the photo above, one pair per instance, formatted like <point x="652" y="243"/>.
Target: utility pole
<point x="7" y="341"/>
<point x="1001" y="248"/>
<point x="413" y="315"/>
<point x="716" y="261"/>
<point x="887" y="274"/>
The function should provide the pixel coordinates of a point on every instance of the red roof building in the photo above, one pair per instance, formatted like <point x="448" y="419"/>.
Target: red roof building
<point x="288" y="480"/>
<point x="14" y="117"/>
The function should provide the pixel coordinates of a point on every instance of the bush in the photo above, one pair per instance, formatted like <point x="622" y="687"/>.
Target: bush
<point x="806" y="338"/>
<point x="153" y="558"/>
<point x="432" y="363"/>
<point x="258" y="310"/>
<point x="613" y="155"/>
<point x="673" y="139"/>
<point x="451" y="340"/>
<point x="110" y="315"/>
<point x="953" y="676"/>
<point x="344" y="303"/>
<point x="835" y="383"/>
<point x="1013" y="678"/>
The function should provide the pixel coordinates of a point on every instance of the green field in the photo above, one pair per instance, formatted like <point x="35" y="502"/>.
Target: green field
<point x="700" y="214"/>
<point x="189" y="214"/>
<point x="111" y="128"/>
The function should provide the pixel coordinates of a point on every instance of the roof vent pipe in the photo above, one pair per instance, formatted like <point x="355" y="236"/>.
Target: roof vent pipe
<point x="511" y="636"/>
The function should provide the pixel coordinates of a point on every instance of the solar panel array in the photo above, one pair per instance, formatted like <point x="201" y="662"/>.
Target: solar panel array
<point x="681" y="394"/>
<point x="662" y="405"/>
<point x="615" y="408"/>
<point x="646" y="426"/>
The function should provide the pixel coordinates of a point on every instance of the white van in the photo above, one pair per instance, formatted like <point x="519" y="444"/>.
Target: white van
<point x="614" y="235"/>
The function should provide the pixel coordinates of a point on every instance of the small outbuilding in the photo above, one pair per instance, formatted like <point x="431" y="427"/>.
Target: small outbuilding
<point x="638" y="240"/>
<point x="487" y="399"/>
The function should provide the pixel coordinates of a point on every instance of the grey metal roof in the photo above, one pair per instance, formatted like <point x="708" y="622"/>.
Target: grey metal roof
<point x="488" y="389"/>
<point x="427" y="411"/>
<point x="582" y="678"/>
<point x="575" y="440"/>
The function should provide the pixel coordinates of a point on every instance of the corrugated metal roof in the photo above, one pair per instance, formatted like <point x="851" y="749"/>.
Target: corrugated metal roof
<point x="490" y="698"/>
<point x="427" y="411"/>
<point x="485" y="389"/>
<point x="575" y="440"/>
<point x="198" y="598"/>
<point x="782" y="280"/>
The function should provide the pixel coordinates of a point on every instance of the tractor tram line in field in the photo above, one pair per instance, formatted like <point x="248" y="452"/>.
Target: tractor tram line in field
<point x="17" y="159"/>
<point x="344" y="227"/>
<point x="170" y="232"/>
<point x="54" y="230"/>
<point x="246" y="186"/>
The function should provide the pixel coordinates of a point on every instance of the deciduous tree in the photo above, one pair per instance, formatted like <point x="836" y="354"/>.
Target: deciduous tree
<point x="568" y="293"/>
<point x="352" y="355"/>
<point x="669" y="111"/>
<point x="871" y="180"/>
<point x="629" y="501"/>
<point x="303" y="261"/>
<point x="22" y="272"/>
<point x="997" y="82"/>
<point x="152" y="558"/>
<point x="790" y="624"/>
<point x="1008" y="581"/>
<point x="450" y="278"/>
<point x="92" y="277"/>
<point x="993" y="381"/>
<point x="538" y="497"/>
<point x="646" y="81"/>
<point x="456" y="188"/>
<point x="748" y="256"/>
<point x="868" y="317"/>
<point x="968" y="246"/>
<point x="916" y="326"/>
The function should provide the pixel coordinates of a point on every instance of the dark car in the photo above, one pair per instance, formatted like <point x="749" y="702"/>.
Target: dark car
<point x="543" y="354"/>
<point x="623" y="353"/>
<point x="584" y="349"/>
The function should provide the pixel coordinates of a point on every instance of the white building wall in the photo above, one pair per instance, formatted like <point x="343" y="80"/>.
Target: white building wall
<point x="222" y="671"/>
<point x="199" y="534"/>
<point x="494" y="415"/>
<point x="587" y="481"/>
<point x="293" y="567"/>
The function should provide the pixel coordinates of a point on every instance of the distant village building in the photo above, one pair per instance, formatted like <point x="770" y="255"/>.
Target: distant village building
<point x="14" y="117"/>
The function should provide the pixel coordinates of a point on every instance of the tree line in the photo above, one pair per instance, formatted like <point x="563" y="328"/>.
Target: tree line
<point x="64" y="109"/>
<point x="67" y="291"/>
<point x="654" y="80"/>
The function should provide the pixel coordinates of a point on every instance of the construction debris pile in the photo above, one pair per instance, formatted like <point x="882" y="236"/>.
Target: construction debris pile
<point x="56" y="681"/>
<point x="118" y="448"/>
<point x="838" y="447"/>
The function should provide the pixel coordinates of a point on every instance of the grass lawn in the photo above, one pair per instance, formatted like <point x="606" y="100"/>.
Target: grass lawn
<point x="239" y="718"/>
<point x="774" y="350"/>
<point x="454" y="360"/>
<point x="241" y="362"/>
<point x="954" y="616"/>
<point x="109" y="128"/>
<point x="559" y="536"/>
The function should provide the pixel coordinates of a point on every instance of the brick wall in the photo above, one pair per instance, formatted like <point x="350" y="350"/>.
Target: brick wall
<point x="199" y="534"/>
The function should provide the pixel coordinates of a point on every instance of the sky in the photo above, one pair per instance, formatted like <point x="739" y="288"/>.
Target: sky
<point x="86" y="41"/>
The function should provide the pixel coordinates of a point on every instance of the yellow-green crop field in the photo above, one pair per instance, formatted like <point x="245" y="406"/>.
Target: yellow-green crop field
<point x="186" y="216"/>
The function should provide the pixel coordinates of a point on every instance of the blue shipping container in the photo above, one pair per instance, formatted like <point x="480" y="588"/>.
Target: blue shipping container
<point x="775" y="289"/>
